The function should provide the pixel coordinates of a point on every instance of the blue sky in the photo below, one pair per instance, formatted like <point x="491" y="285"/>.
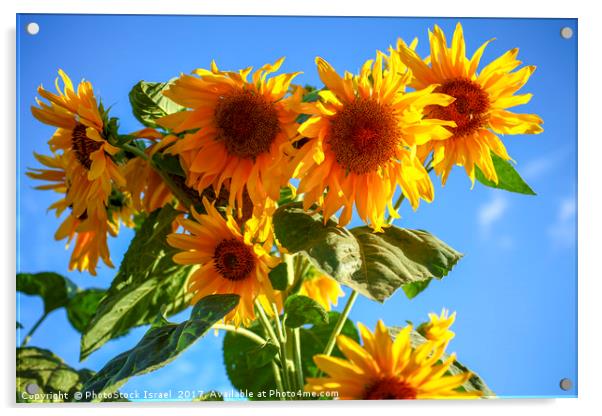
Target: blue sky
<point x="515" y="289"/>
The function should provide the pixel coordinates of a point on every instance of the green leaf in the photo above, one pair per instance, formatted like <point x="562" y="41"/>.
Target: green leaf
<point x="210" y="396"/>
<point x="301" y="310"/>
<point x="148" y="282"/>
<point x="149" y="103"/>
<point x="332" y="248"/>
<point x="54" y="289"/>
<point x="257" y="376"/>
<point x="244" y="373"/>
<point x="508" y="177"/>
<point x="314" y="340"/>
<point x="19" y="326"/>
<point x="374" y="264"/>
<point x="413" y="289"/>
<point x="82" y="307"/>
<point x="287" y="195"/>
<point x="397" y="257"/>
<point x="169" y="163"/>
<point x="311" y="96"/>
<point x="279" y="276"/>
<point x="161" y="344"/>
<point x="261" y="355"/>
<point x="475" y="383"/>
<point x="41" y="372"/>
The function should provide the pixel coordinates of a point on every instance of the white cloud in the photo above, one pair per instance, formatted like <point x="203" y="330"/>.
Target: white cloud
<point x="568" y="209"/>
<point x="563" y="231"/>
<point x="491" y="212"/>
<point x="538" y="167"/>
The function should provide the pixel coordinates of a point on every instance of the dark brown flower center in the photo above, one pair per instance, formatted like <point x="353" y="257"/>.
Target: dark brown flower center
<point x="363" y="135"/>
<point x="83" y="146"/>
<point x="247" y="123"/>
<point x="233" y="259"/>
<point x="469" y="110"/>
<point x="389" y="389"/>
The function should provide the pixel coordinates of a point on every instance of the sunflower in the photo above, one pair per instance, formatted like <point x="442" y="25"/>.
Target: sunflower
<point x="384" y="368"/>
<point x="243" y="130"/>
<point x="480" y="106"/>
<point x="148" y="190"/>
<point x="438" y="327"/>
<point x="321" y="288"/>
<point x="231" y="260"/>
<point x="90" y="232"/>
<point x="360" y="142"/>
<point x="90" y="169"/>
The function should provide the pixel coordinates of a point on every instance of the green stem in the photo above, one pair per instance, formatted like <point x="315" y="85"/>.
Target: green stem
<point x="267" y="326"/>
<point x="242" y="331"/>
<point x="135" y="150"/>
<point x="33" y="329"/>
<point x="275" y="370"/>
<point x="278" y="379"/>
<point x="283" y="354"/>
<point x="265" y="322"/>
<point x="396" y="206"/>
<point x="297" y="358"/>
<point x="339" y="326"/>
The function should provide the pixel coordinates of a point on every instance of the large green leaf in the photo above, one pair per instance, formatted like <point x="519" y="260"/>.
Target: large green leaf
<point x="332" y="248"/>
<point x="148" y="282"/>
<point x="374" y="264"/>
<point x="43" y="377"/>
<point x="301" y="310"/>
<point x="398" y="257"/>
<point x="245" y="372"/>
<point x="475" y="383"/>
<point x="161" y="344"/>
<point x="279" y="276"/>
<point x="249" y="371"/>
<point x="149" y="103"/>
<point x="314" y="340"/>
<point x="82" y="307"/>
<point x="508" y="177"/>
<point x="54" y="289"/>
<point x="169" y="164"/>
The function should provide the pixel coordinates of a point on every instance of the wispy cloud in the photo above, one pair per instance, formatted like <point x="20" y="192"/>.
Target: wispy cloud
<point x="563" y="231"/>
<point x="488" y="215"/>
<point x="538" y="167"/>
<point x="491" y="212"/>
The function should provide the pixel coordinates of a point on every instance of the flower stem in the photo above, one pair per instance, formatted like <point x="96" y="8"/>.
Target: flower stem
<point x="265" y="322"/>
<point x="396" y="206"/>
<point x="267" y="326"/>
<point x="33" y="329"/>
<point x="278" y="379"/>
<point x="135" y="150"/>
<point x="296" y="335"/>
<point x="340" y="323"/>
<point x="283" y="353"/>
<point x="241" y="331"/>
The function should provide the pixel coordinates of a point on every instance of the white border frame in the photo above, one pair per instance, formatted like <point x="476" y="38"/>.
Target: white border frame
<point x="590" y="146"/>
